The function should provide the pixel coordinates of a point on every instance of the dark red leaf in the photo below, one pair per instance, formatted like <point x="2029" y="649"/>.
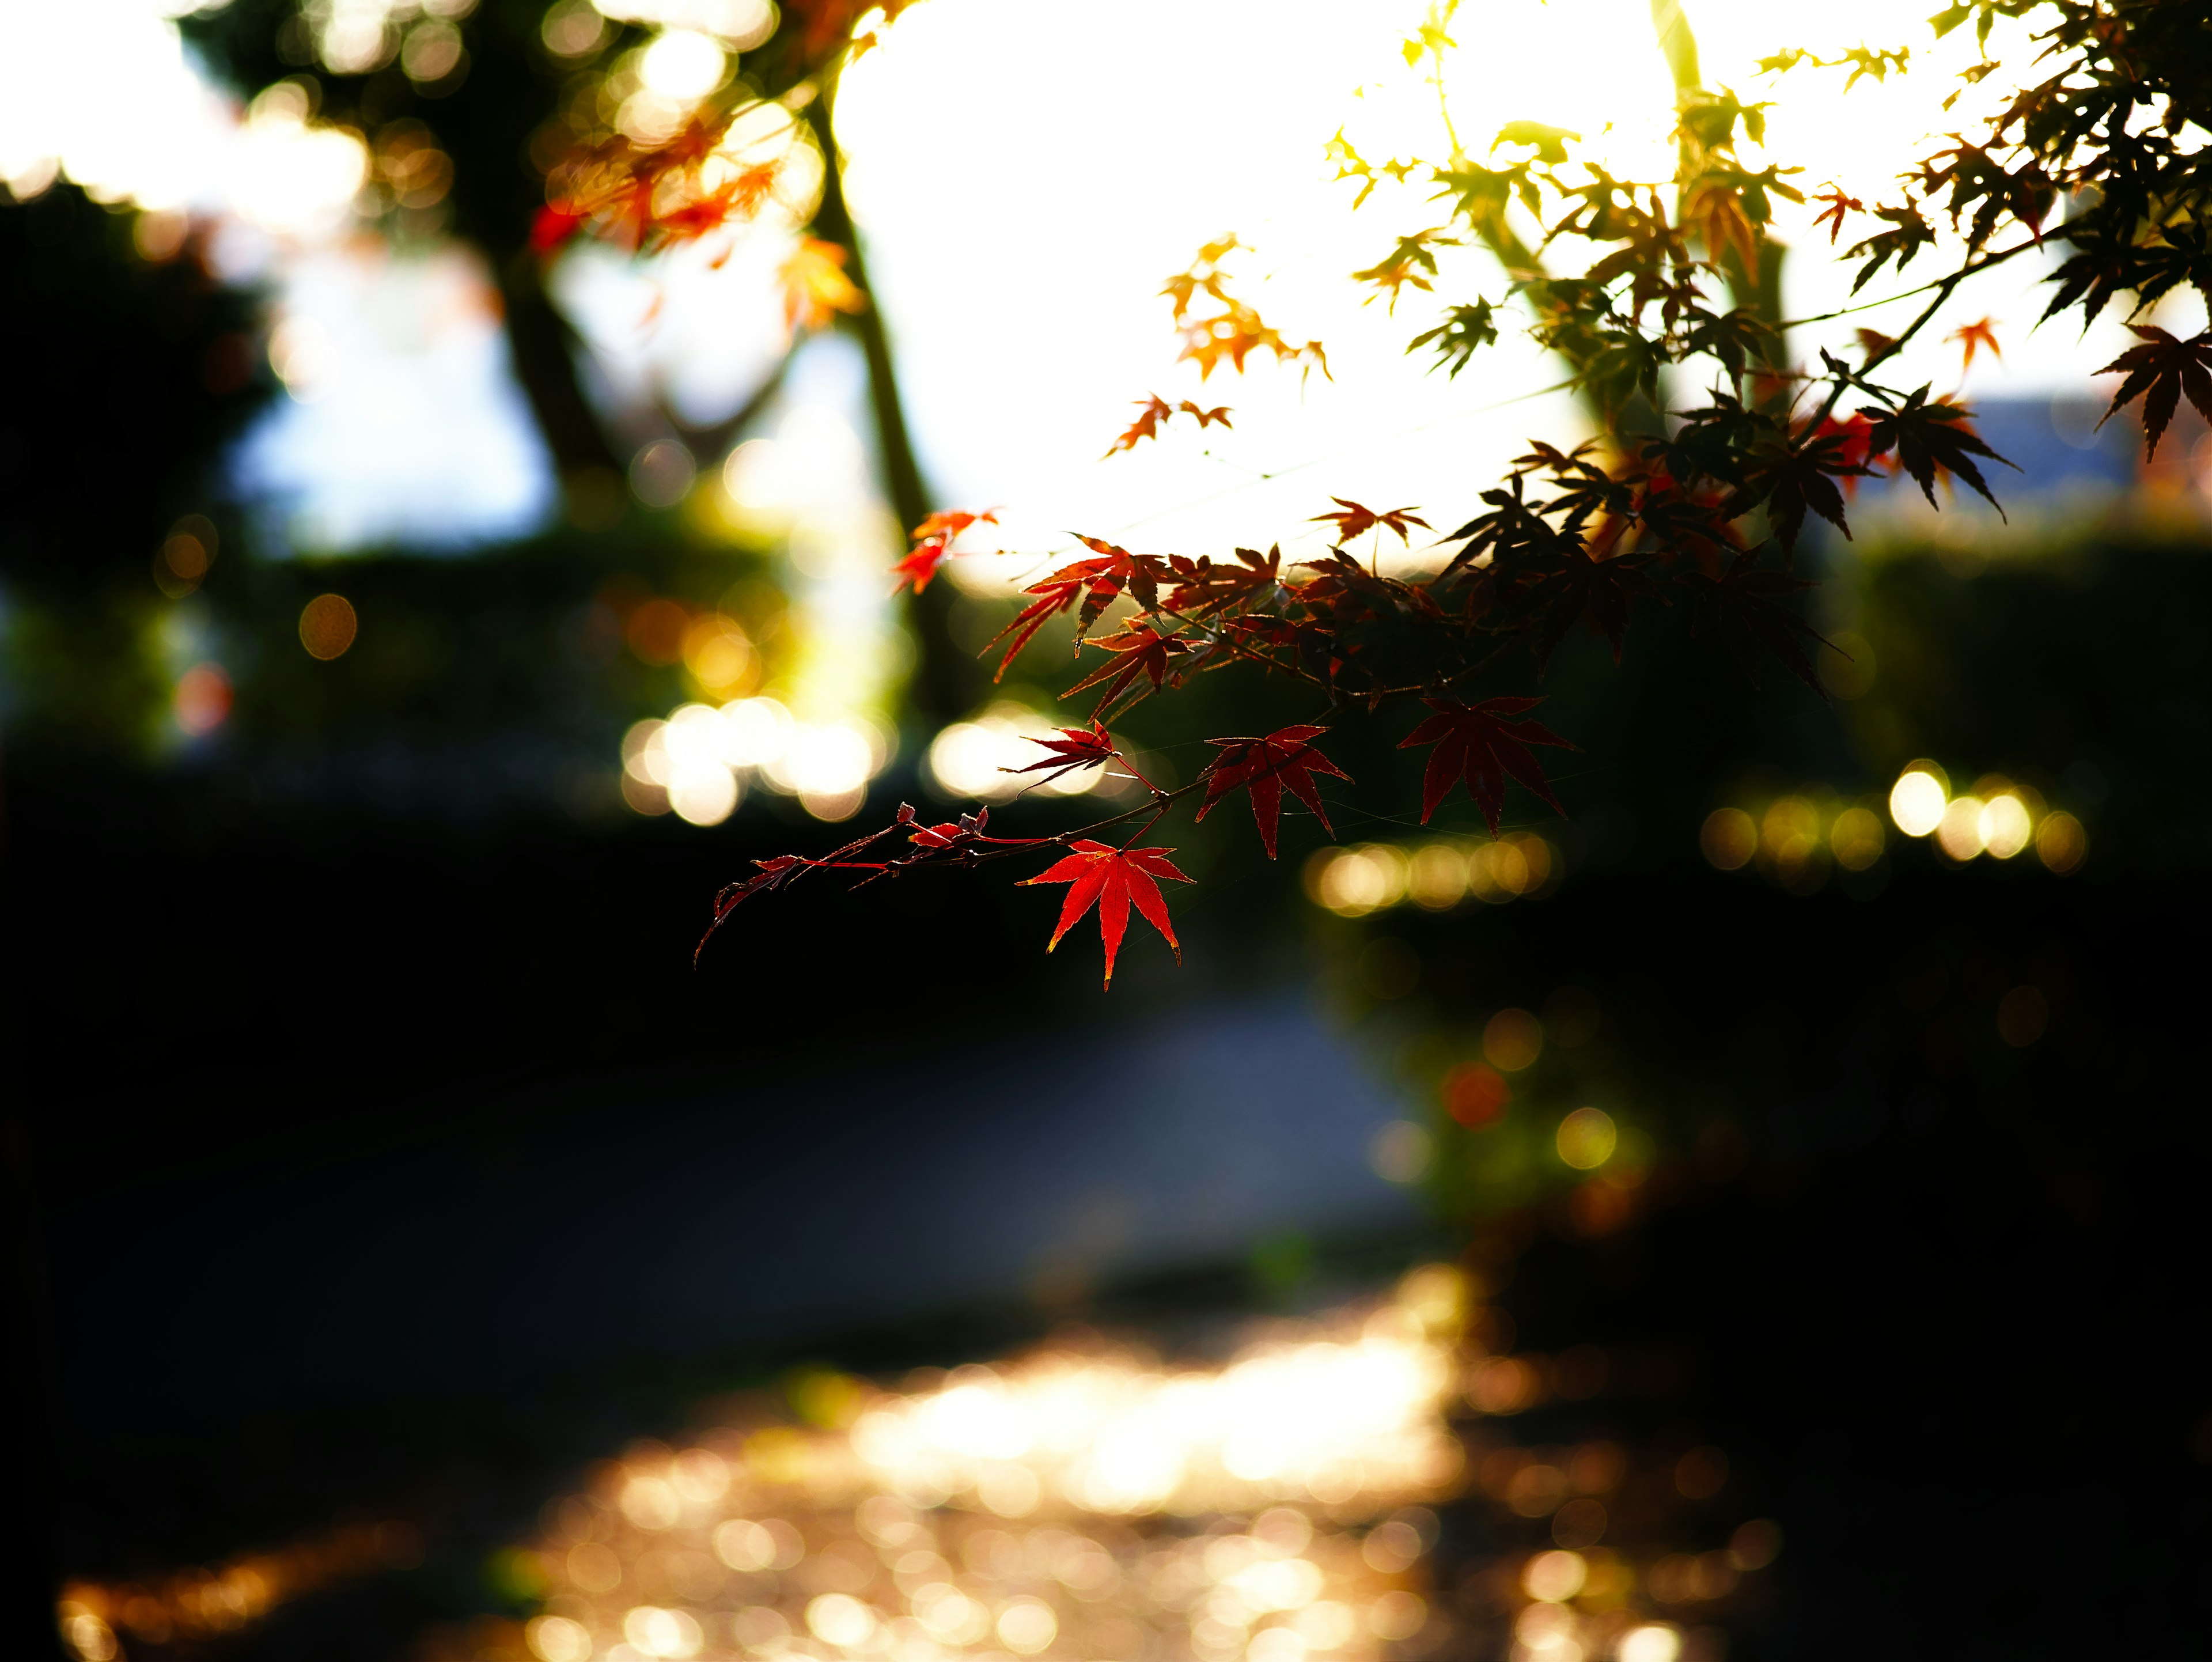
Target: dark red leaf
<point x="1482" y="744"/>
<point x="1264" y="766"/>
<point x="2164" y="369"/>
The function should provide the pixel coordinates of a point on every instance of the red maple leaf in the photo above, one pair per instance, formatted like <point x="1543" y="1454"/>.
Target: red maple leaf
<point x="1144" y="651"/>
<point x="1479" y="743"/>
<point x="773" y="874"/>
<point x="1264" y="766"/>
<point x="932" y="544"/>
<point x="1113" y="879"/>
<point x="1076" y="747"/>
<point x="1355" y="519"/>
<point x="1205" y="587"/>
<point x="1099" y="582"/>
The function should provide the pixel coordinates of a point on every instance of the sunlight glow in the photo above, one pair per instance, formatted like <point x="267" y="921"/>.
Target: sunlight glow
<point x="1089" y="125"/>
<point x="1077" y="1502"/>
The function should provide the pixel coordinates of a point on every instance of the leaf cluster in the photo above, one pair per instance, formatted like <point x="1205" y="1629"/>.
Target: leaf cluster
<point x="1694" y="505"/>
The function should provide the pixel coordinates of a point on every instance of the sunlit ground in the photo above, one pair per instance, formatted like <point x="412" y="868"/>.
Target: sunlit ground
<point x="1088" y="1500"/>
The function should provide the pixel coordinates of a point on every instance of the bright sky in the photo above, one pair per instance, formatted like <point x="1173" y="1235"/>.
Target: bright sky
<point x="1029" y="170"/>
<point x="1027" y="173"/>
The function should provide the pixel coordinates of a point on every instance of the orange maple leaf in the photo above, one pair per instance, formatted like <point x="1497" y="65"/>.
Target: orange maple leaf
<point x="1355" y="519"/>
<point x="1972" y="335"/>
<point x="932" y="544"/>
<point x="815" y="286"/>
<point x="1154" y="410"/>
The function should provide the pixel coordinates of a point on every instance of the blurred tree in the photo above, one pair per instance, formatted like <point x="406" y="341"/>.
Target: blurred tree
<point x="535" y="88"/>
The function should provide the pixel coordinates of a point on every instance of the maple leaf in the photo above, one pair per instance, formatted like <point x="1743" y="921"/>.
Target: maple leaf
<point x="1970" y="336"/>
<point x="1483" y="744"/>
<point x="1098" y="582"/>
<point x="1549" y="142"/>
<point x="1465" y="329"/>
<point x="1718" y="213"/>
<point x="1154" y="410"/>
<point x="1751" y="599"/>
<point x="1205" y="587"/>
<point x="1355" y="519"/>
<point x="1113" y="879"/>
<point x="773" y="874"/>
<point x="1838" y="206"/>
<point x="1264" y="766"/>
<point x="932" y="544"/>
<point x="1873" y="344"/>
<point x="1142" y="650"/>
<point x="1928" y="437"/>
<point x="1076" y="747"/>
<point x="1600" y="588"/>
<point x="1405" y="264"/>
<point x="2163" y="368"/>
<point x="815" y="286"/>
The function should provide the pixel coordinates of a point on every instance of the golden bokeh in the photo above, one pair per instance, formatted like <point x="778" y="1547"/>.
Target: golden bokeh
<point x="327" y="627"/>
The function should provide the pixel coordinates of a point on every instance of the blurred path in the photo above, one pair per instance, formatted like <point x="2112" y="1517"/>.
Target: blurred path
<point x="672" y="1216"/>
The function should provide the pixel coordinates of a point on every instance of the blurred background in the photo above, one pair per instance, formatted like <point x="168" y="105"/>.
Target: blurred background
<point x="404" y="632"/>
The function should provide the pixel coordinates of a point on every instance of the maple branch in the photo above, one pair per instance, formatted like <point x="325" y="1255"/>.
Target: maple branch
<point x="1970" y="269"/>
<point x="1945" y="287"/>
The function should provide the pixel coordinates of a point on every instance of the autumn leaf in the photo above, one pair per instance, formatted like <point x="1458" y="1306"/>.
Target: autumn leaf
<point x="1748" y="599"/>
<point x="1098" y="583"/>
<point x="1464" y="330"/>
<point x="1154" y="410"/>
<point x="1141" y="650"/>
<point x="1264" y="766"/>
<point x="1717" y="212"/>
<point x="1550" y="142"/>
<point x="772" y="876"/>
<point x="815" y="286"/>
<point x="1873" y="344"/>
<point x="1970" y="336"/>
<point x="932" y="544"/>
<point x="1355" y="519"/>
<point x="1483" y="744"/>
<point x="1832" y="215"/>
<point x="1113" y="879"/>
<point x="1928" y="437"/>
<point x="1075" y="748"/>
<point x="1405" y="264"/>
<point x="2164" y="369"/>
<point x="1204" y="586"/>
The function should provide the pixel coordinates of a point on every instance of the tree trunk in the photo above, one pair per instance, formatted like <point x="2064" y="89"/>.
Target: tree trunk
<point x="946" y="682"/>
<point x="544" y="347"/>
